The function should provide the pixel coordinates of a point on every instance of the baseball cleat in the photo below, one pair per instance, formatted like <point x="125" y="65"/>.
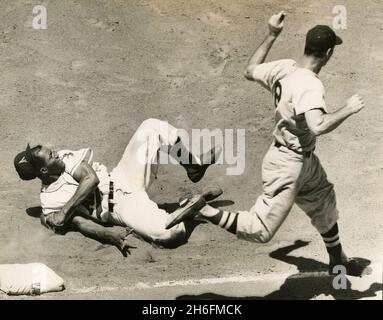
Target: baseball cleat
<point x="356" y="267"/>
<point x="196" y="172"/>
<point x="183" y="201"/>
<point x="209" y="193"/>
<point x="188" y="211"/>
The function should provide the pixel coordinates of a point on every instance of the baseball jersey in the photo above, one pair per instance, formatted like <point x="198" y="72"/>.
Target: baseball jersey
<point x="54" y="196"/>
<point x="295" y="91"/>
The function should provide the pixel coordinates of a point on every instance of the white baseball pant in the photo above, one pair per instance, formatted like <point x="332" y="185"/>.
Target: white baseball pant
<point x="133" y="176"/>
<point x="289" y="178"/>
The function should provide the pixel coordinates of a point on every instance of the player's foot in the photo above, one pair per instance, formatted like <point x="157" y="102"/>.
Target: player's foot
<point x="196" y="172"/>
<point x="187" y="211"/>
<point x="356" y="267"/>
<point x="209" y="194"/>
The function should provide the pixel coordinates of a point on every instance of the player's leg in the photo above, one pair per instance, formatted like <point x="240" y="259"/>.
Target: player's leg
<point x="138" y="165"/>
<point x="135" y="210"/>
<point x="281" y="171"/>
<point x="317" y="199"/>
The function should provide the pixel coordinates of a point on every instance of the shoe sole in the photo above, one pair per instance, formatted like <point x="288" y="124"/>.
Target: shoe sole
<point x="211" y="193"/>
<point x="189" y="210"/>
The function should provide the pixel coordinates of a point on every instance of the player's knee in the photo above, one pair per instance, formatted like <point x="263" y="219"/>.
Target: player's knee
<point x="251" y="228"/>
<point x="259" y="236"/>
<point x="172" y="238"/>
<point x="265" y="236"/>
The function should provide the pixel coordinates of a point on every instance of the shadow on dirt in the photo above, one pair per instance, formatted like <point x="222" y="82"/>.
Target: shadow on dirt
<point x="311" y="281"/>
<point x="171" y="207"/>
<point x="34" y="212"/>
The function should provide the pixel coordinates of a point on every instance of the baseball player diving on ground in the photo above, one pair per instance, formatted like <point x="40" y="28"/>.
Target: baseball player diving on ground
<point x="74" y="186"/>
<point x="291" y="172"/>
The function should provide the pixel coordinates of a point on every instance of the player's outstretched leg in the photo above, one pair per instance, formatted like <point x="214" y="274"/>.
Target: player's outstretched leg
<point x="225" y="219"/>
<point x="190" y="206"/>
<point x="263" y="220"/>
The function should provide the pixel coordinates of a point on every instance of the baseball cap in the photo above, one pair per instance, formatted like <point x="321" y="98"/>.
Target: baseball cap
<point x="321" y="38"/>
<point x="24" y="164"/>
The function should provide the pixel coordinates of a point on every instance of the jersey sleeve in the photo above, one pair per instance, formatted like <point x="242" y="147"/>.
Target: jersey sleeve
<point x="309" y="98"/>
<point x="54" y="196"/>
<point x="49" y="202"/>
<point x="72" y="159"/>
<point x="268" y="73"/>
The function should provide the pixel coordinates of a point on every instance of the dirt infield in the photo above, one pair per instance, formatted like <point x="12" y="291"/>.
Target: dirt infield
<point x="102" y="67"/>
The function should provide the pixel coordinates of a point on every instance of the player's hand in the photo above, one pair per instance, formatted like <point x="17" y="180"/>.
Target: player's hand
<point x="123" y="245"/>
<point x="355" y="103"/>
<point x="56" y="219"/>
<point x="276" y="23"/>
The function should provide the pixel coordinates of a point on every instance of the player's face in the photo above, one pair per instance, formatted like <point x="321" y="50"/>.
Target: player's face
<point x="49" y="159"/>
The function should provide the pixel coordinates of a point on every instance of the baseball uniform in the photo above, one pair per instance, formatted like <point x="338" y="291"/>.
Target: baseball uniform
<point x="54" y="196"/>
<point x="291" y="172"/>
<point x="131" y="179"/>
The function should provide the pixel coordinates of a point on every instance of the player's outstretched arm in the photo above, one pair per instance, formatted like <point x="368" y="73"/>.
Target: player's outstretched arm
<point x="101" y="234"/>
<point x="321" y="123"/>
<point x="275" y="27"/>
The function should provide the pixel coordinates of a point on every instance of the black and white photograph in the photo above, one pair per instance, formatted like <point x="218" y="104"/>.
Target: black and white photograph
<point x="185" y="150"/>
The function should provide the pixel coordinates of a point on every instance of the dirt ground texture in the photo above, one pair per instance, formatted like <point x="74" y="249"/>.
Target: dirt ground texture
<point x="102" y="67"/>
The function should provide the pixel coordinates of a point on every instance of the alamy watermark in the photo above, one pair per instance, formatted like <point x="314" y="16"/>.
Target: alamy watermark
<point x="40" y="19"/>
<point x="339" y="21"/>
<point x="178" y="146"/>
<point x="340" y="280"/>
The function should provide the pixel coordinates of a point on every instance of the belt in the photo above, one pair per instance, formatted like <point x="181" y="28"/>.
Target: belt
<point x="111" y="194"/>
<point x="305" y="154"/>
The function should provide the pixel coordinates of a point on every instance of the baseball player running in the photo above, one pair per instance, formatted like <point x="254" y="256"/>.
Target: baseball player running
<point x="291" y="171"/>
<point x="74" y="185"/>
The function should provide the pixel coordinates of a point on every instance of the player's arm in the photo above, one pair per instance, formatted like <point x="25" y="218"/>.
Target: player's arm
<point x="260" y="54"/>
<point x="88" y="181"/>
<point x="101" y="234"/>
<point x="92" y="230"/>
<point x="320" y="122"/>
